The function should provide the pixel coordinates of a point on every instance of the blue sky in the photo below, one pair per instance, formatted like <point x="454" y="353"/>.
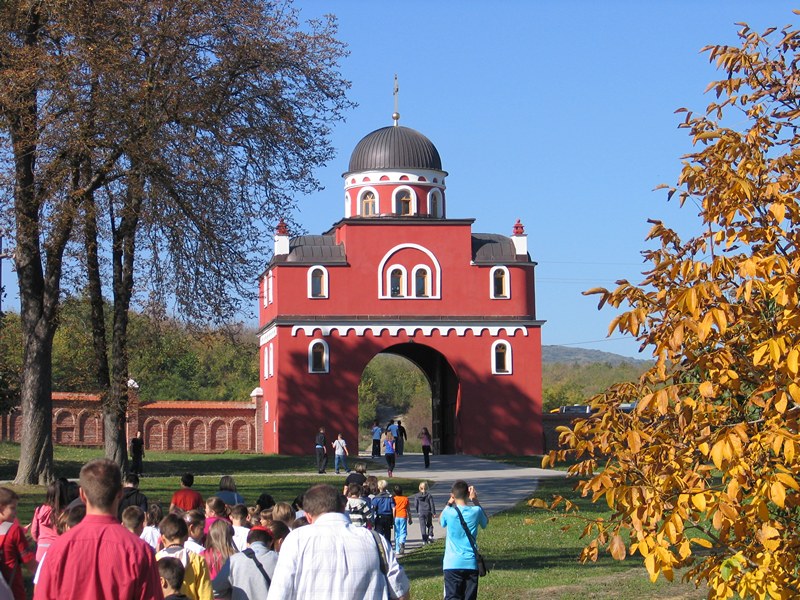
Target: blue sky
<point x="560" y="114"/>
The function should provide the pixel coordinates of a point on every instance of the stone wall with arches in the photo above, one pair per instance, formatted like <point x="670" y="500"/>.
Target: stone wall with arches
<point x="178" y="426"/>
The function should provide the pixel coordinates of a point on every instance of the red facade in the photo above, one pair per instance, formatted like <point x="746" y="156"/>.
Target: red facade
<point x="395" y="275"/>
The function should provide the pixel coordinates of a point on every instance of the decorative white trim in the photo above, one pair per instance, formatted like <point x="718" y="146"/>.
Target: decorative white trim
<point x="396" y="192"/>
<point x="269" y="287"/>
<point x="410" y="329"/>
<point x="360" y="196"/>
<point x="326" y="359"/>
<point x="269" y="334"/>
<point x="509" y="360"/>
<point x="413" y="281"/>
<point x="506" y="283"/>
<point x="403" y="282"/>
<point x="436" y="282"/>
<point x="414" y="177"/>
<point x="309" y="279"/>
<point x="265" y="290"/>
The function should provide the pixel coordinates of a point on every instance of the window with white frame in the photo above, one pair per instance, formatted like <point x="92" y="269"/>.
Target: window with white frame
<point x="318" y="358"/>
<point x="368" y="204"/>
<point x="499" y="283"/>
<point x="422" y="281"/>
<point x="501" y="358"/>
<point x="317" y="282"/>
<point x="266" y="363"/>
<point x="265" y="290"/>
<point x="435" y="203"/>
<point x="271" y="360"/>
<point x="397" y="281"/>
<point x="404" y="202"/>
<point x="269" y="287"/>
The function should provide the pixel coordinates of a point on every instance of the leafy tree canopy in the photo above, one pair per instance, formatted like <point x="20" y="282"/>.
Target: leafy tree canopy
<point x="704" y="473"/>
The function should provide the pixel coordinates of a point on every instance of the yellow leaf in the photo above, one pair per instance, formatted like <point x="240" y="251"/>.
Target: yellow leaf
<point x="788" y="481"/>
<point x="781" y="402"/>
<point x="702" y="542"/>
<point x="792" y="360"/>
<point x="777" y="493"/>
<point x="634" y="441"/>
<point x="617" y="547"/>
<point x="699" y="501"/>
<point x="706" y="389"/>
<point x="759" y="353"/>
<point x="538" y="503"/>
<point x="778" y="211"/>
<point x="718" y="453"/>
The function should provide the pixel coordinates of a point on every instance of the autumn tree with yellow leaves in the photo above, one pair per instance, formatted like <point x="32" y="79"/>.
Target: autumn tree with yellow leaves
<point x="703" y="474"/>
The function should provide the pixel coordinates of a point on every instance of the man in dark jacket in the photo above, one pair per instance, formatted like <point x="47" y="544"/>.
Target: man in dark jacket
<point x="131" y="496"/>
<point x="321" y="448"/>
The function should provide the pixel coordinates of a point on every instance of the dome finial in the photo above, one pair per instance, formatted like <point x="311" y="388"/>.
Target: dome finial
<point x="395" y="114"/>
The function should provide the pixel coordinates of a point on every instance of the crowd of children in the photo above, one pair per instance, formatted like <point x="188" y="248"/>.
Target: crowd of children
<point x="193" y="546"/>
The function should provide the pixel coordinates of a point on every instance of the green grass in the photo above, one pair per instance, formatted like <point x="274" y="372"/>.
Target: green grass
<point x="530" y="557"/>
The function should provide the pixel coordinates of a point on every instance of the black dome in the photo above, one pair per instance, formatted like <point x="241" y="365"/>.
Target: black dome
<point x="395" y="148"/>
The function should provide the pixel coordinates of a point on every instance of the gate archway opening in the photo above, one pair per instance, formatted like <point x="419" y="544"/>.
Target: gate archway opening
<point x="444" y="391"/>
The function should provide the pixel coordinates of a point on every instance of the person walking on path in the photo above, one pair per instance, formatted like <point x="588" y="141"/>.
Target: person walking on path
<point x="389" y="451"/>
<point x="426" y="511"/>
<point x="401" y="438"/>
<point x="321" y="450"/>
<point x="461" y="521"/>
<point x="377" y="432"/>
<point x="340" y="453"/>
<point x="332" y="558"/>
<point x="425" y="437"/>
<point x="137" y="454"/>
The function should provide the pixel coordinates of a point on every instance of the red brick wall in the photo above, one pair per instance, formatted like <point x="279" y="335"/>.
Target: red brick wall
<point x="180" y="426"/>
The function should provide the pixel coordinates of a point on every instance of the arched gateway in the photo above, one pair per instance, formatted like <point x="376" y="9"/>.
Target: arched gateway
<point x="397" y="276"/>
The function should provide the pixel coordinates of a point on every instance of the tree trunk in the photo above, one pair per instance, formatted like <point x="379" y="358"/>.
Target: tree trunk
<point x="36" y="450"/>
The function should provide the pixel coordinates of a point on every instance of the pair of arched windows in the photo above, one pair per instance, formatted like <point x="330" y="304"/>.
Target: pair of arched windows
<point x="318" y="357"/>
<point x="403" y="203"/>
<point x="421" y="278"/>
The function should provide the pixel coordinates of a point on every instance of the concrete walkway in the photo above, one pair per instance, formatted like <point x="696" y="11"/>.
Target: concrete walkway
<point x="499" y="486"/>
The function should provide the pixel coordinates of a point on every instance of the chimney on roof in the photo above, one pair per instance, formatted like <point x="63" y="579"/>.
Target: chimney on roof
<point x="520" y="238"/>
<point x="281" y="239"/>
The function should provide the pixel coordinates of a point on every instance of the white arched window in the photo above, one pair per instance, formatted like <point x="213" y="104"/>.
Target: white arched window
<point x="269" y="287"/>
<point x="271" y="361"/>
<point x="396" y="277"/>
<point x="266" y="362"/>
<point x="501" y="358"/>
<point x="264" y="290"/>
<point x="368" y="203"/>
<point x="435" y="203"/>
<point x="499" y="283"/>
<point x="421" y="276"/>
<point x="317" y="282"/>
<point x="404" y="201"/>
<point x="318" y="358"/>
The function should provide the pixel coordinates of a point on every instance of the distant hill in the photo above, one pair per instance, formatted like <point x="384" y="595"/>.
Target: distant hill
<point x="585" y="356"/>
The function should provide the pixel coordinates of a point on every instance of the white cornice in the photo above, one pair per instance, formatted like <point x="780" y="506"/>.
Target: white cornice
<point x="410" y="329"/>
<point x="413" y="178"/>
<point x="268" y="334"/>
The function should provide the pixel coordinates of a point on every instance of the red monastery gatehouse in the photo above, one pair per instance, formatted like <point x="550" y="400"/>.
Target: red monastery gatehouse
<point x="397" y="276"/>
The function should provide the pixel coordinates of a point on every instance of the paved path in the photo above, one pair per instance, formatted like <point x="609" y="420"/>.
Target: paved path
<point x="499" y="486"/>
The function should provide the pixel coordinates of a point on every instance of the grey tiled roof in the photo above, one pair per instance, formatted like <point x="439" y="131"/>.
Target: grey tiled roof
<point x="490" y="248"/>
<point x="315" y="249"/>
